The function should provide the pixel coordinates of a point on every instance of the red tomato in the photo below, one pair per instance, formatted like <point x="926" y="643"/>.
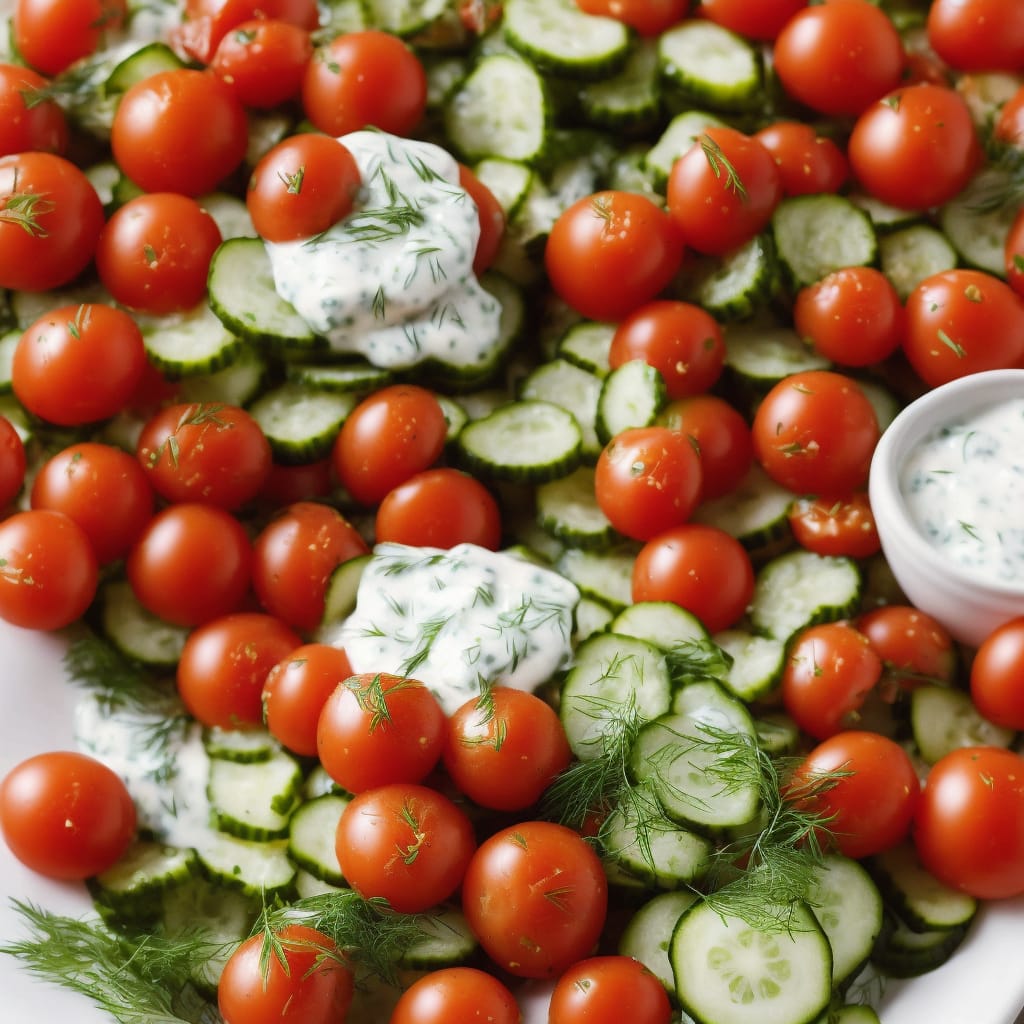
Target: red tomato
<point x="154" y="135"/>
<point x="835" y="526"/>
<point x="815" y="433"/>
<point x="536" y="897"/>
<point x="263" y="61"/>
<point x="1009" y="126"/>
<point x="154" y="253"/>
<point x="680" y="340"/>
<point x="969" y="826"/>
<point x="52" y="34"/>
<point x="440" y="508"/>
<point x="409" y="844"/>
<point x="491" y="217"/>
<point x="376" y="729"/>
<point x="301" y="187"/>
<point x="50" y="218"/>
<point x="191" y="564"/>
<point x="996" y="675"/>
<point x="365" y="78"/>
<point x="701" y="568"/>
<point x="763" y="20"/>
<point x="390" y="436"/>
<point x="25" y="124"/>
<point x="48" y="571"/>
<point x="206" y="22"/>
<point x="611" y="252"/>
<point x="648" y="17"/>
<point x="914" y="647"/>
<point x="830" y="670"/>
<point x="839" y="57"/>
<point x="503" y="749"/>
<point x="721" y="436"/>
<point x="294" y="556"/>
<point x="808" y="162"/>
<point x="647" y="481"/>
<point x="865" y="786"/>
<point x="1014" y="249"/>
<point x="296" y="690"/>
<point x="211" y="453"/>
<point x="66" y="815"/>
<point x="456" y="994"/>
<point x="594" y="991"/>
<point x="978" y="35"/>
<point x="311" y="986"/>
<point x="916" y="147"/>
<point x="303" y="482"/>
<point x="960" y="322"/>
<point x="12" y="463"/>
<point x="722" y="190"/>
<point x="103" y="489"/>
<point x="852" y="316"/>
<point x="225" y="663"/>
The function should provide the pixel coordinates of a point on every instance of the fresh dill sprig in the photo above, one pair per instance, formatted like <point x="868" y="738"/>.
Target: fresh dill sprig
<point x="702" y="658"/>
<point x="720" y="164"/>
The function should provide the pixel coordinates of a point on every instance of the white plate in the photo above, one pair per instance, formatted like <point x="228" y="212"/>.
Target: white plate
<point x="982" y="984"/>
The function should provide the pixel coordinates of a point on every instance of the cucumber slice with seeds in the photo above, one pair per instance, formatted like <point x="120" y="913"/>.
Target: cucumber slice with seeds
<point x="648" y="933"/>
<point x="711" y="65"/>
<point x="911" y="254"/>
<point x="576" y="390"/>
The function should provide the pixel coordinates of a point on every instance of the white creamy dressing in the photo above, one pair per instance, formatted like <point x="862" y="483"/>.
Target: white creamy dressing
<point x="964" y="489"/>
<point x="394" y="281"/>
<point x="461" y="617"/>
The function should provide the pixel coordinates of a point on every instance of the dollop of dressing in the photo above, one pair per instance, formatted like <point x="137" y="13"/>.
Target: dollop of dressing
<point x="459" y="619"/>
<point x="393" y="281"/>
<point x="964" y="488"/>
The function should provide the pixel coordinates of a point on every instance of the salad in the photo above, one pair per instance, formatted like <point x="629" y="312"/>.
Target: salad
<point x="437" y="434"/>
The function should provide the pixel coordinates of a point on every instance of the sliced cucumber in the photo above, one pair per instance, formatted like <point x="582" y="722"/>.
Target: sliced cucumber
<point x="134" y="887"/>
<point x="137" y="632"/>
<point x="757" y="663"/>
<point x="567" y="508"/>
<point x="632" y="395"/>
<point x="604" y="576"/>
<point x="630" y="99"/>
<point x="648" y="933"/>
<point x="681" y="133"/>
<point x="254" y="800"/>
<point x="977" y="223"/>
<point x="188" y="343"/>
<point x="944" y="719"/>
<point x="762" y="356"/>
<point x="263" y="870"/>
<point x="586" y="345"/>
<point x="301" y="422"/>
<point x="736" y="285"/>
<point x="662" y="623"/>
<point x="311" y="837"/>
<point x="911" y="254"/>
<point x="576" y="390"/>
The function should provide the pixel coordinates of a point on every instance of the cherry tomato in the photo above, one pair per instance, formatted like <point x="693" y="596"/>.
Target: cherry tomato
<point x="206" y="22"/>
<point x="301" y="187"/>
<point x="835" y="526"/>
<point x="648" y="17"/>
<point x="25" y="124"/>
<point x="66" y="815"/>
<point x="1009" y="125"/>
<point x="763" y="20"/>
<point x="48" y="571"/>
<point x="365" y="78"/>
<point x="264" y="61"/>
<point x="378" y="728"/>
<point x="154" y="253"/>
<point x="409" y="844"/>
<point x="978" y="35"/>
<point x="536" y="897"/>
<point x="915" y="147"/>
<point x="960" y="322"/>
<point x="808" y="163"/>
<point x="491" y="217"/>
<point x="503" y="749"/>
<point x="225" y="663"/>
<point x="996" y="675"/>
<point x="610" y="252"/>
<point x="302" y="482"/>
<point x="311" y="986"/>
<point x="211" y="453"/>
<point x="852" y="316"/>
<point x="914" y="647"/>
<point x="1014" y="250"/>
<point x="154" y="135"/>
<point x="440" y="508"/>
<point x="294" y="556"/>
<point x="390" y="436"/>
<point x="456" y="994"/>
<point x="722" y="190"/>
<point x="679" y="339"/>
<point x="595" y="990"/>
<point x="865" y="785"/>
<point x="701" y="568"/>
<point x="647" y="480"/>
<point x="52" y="34"/>
<point x="839" y="57"/>
<point x="12" y="463"/>
<point x="969" y="826"/>
<point x="50" y="219"/>
<point x="191" y="564"/>
<point x="815" y="433"/>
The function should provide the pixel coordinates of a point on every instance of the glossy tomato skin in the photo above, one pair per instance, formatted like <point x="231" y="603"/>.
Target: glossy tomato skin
<point x="206" y="22"/>
<point x="763" y="20"/>
<point x="224" y="665"/>
<point x="264" y="61"/>
<point x="154" y="252"/>
<point x="960" y="322"/>
<point x="914" y="647"/>
<point x="66" y="815"/>
<point x="52" y="34"/>
<point x="596" y="990"/>
<point x="912" y="128"/>
<point x="462" y="994"/>
<point x="978" y="35"/>
<point x="536" y="897"/>
<point x="611" y="252"/>
<point x="41" y="127"/>
<point x="12" y="463"/>
<point x="997" y="675"/>
<point x="51" y="235"/>
<point x="835" y="526"/>
<point x="409" y="844"/>
<point x="491" y="217"/>
<point x="48" y="570"/>
<point x="1014" y="254"/>
<point x="154" y="135"/>
<point x="294" y="556"/>
<point x="648" y="17"/>
<point x="808" y="163"/>
<point x="313" y="986"/>
<point x="969" y="826"/>
<point x="1009" y="124"/>
<point x="701" y="568"/>
<point x="440" y="508"/>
